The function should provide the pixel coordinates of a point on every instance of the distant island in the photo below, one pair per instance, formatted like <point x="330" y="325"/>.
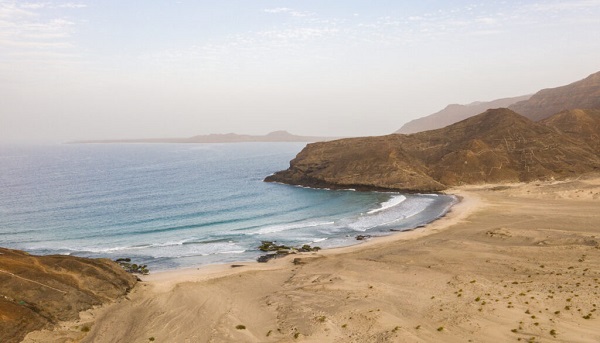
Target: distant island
<point x="276" y="136"/>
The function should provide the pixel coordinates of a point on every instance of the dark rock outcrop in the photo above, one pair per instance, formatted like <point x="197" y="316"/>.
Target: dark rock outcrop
<point x="498" y="145"/>
<point x="37" y="292"/>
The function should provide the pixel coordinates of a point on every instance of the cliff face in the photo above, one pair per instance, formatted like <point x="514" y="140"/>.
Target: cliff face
<point x="543" y="104"/>
<point x="38" y="291"/>
<point x="455" y="113"/>
<point x="496" y="146"/>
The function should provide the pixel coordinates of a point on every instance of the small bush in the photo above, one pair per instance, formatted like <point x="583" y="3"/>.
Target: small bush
<point x="240" y="327"/>
<point x="85" y="329"/>
<point x="441" y="328"/>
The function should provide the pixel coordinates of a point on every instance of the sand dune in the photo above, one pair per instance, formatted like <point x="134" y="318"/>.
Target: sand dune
<point x="510" y="262"/>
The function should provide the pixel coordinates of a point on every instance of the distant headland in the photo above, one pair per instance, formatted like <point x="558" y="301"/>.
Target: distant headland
<point x="275" y="136"/>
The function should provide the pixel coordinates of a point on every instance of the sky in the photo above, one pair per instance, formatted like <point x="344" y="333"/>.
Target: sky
<point x="113" y="69"/>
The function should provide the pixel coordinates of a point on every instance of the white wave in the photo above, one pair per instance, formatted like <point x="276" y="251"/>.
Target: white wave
<point x="317" y="240"/>
<point x="132" y="247"/>
<point x="109" y="250"/>
<point x="286" y="227"/>
<point x="393" y="201"/>
<point x="197" y="250"/>
<point x="232" y="252"/>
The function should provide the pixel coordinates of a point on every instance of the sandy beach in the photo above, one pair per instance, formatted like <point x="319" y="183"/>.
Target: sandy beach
<point x="512" y="262"/>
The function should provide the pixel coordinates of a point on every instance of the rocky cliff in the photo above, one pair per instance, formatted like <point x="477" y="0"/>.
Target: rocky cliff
<point x="583" y="94"/>
<point x="37" y="292"/>
<point x="498" y="145"/>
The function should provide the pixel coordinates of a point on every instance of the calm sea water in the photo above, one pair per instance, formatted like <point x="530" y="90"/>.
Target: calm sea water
<point x="179" y="205"/>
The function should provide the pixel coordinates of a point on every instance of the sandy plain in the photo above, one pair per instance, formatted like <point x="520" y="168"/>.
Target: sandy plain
<point x="509" y="263"/>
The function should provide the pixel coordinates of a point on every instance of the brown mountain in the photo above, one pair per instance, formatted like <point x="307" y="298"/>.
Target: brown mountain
<point x="39" y="291"/>
<point x="581" y="94"/>
<point x="578" y="124"/>
<point x="276" y="136"/>
<point x="498" y="145"/>
<point x="454" y="113"/>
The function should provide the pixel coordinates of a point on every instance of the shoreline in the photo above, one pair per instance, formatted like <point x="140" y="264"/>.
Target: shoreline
<point x="215" y="270"/>
<point x="508" y="261"/>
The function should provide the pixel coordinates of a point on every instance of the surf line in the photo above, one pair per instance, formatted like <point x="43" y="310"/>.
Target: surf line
<point x="26" y="279"/>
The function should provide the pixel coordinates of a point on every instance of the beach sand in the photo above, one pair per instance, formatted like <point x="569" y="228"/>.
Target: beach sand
<point x="508" y="263"/>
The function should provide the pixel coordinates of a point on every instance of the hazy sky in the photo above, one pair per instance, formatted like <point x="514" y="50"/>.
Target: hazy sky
<point x="143" y="68"/>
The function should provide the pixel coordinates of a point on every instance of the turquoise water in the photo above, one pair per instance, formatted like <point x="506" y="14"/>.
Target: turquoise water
<point x="180" y="205"/>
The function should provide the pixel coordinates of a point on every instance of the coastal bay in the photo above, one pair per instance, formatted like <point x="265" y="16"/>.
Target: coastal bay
<point x="172" y="206"/>
<point x="509" y="262"/>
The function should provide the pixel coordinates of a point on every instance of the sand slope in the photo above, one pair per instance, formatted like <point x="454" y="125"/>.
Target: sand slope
<point x="510" y="262"/>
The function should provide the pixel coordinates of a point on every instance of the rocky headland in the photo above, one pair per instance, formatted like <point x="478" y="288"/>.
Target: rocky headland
<point x="38" y="292"/>
<point x="496" y="146"/>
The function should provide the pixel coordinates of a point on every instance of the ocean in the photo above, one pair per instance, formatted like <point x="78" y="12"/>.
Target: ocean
<point x="172" y="206"/>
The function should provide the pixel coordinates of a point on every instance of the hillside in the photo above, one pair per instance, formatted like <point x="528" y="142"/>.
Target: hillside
<point x="498" y="145"/>
<point x="578" y="124"/>
<point x="543" y="104"/>
<point x="454" y="113"/>
<point x="39" y="291"/>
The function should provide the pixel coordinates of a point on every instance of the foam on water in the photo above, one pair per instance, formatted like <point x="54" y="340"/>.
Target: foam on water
<point x="394" y="201"/>
<point x="291" y="226"/>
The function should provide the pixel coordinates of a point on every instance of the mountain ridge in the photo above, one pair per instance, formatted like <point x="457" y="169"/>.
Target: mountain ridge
<point x="454" y="113"/>
<point x="582" y="94"/>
